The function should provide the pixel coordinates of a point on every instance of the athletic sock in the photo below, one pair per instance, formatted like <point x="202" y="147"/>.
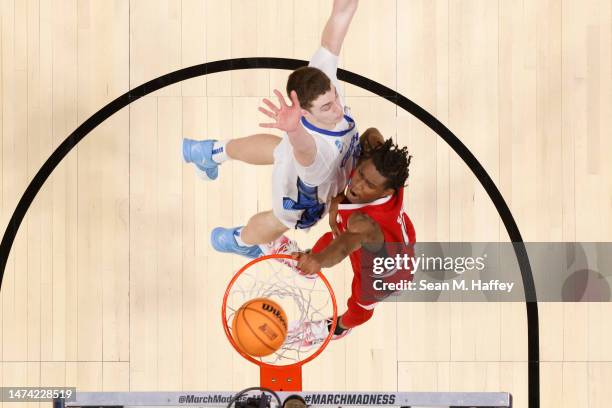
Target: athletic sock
<point x="339" y="330"/>
<point x="239" y="240"/>
<point x="219" y="154"/>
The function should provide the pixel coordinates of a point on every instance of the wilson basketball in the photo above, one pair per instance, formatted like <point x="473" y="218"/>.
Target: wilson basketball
<point x="259" y="327"/>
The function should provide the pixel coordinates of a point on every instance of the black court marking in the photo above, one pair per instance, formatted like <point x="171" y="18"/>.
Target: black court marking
<point x="372" y="86"/>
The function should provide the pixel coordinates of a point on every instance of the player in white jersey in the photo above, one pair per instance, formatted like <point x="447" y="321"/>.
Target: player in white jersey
<point x="313" y="159"/>
<point x="301" y="191"/>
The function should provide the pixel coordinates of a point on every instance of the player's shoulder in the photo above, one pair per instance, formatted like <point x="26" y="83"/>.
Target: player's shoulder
<point x="367" y="228"/>
<point x="360" y="222"/>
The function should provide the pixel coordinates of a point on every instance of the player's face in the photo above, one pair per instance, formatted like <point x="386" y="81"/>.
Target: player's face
<point x="367" y="184"/>
<point x="326" y="110"/>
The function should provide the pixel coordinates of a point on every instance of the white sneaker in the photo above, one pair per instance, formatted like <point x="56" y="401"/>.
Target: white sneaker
<point x="310" y="333"/>
<point x="285" y="246"/>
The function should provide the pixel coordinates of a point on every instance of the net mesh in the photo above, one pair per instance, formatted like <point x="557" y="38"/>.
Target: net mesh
<point x="304" y="300"/>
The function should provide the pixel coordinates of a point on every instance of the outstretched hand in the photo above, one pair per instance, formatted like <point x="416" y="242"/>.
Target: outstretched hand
<point x="308" y="262"/>
<point x="286" y="117"/>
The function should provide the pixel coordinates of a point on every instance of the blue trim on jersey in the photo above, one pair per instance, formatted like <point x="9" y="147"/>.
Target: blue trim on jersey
<point x="326" y="132"/>
<point x="308" y="203"/>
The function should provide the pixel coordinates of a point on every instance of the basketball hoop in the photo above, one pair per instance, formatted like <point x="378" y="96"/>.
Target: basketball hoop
<point x="303" y="299"/>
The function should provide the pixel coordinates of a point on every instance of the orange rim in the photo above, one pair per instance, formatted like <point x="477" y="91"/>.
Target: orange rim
<point x="261" y="363"/>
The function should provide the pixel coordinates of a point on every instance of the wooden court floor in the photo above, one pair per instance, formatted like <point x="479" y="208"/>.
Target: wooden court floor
<point x="111" y="284"/>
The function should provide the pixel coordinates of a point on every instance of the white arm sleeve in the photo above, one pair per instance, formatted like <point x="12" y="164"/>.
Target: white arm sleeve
<point x="327" y="62"/>
<point x="324" y="163"/>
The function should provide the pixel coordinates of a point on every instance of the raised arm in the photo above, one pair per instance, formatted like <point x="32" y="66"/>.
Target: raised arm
<point x="337" y="25"/>
<point x="362" y="231"/>
<point x="304" y="146"/>
<point x="287" y="118"/>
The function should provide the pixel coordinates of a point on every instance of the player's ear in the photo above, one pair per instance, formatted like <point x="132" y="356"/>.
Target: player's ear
<point x="305" y="113"/>
<point x="389" y="191"/>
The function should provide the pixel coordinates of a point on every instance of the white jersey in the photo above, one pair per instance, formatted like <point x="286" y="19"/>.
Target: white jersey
<point x="301" y="195"/>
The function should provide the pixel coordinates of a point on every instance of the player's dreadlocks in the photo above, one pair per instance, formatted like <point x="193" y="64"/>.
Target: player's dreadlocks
<point x="392" y="162"/>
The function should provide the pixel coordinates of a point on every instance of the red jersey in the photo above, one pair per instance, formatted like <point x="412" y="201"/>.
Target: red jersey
<point x="398" y="233"/>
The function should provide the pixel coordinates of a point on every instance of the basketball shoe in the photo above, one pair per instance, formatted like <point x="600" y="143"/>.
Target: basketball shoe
<point x="308" y="334"/>
<point x="200" y="153"/>
<point x="284" y="245"/>
<point x="224" y="240"/>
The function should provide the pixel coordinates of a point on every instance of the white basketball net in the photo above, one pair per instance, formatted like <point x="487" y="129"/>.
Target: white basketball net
<point x="304" y="301"/>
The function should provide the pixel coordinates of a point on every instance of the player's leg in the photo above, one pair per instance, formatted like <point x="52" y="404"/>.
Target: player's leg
<point x="355" y="315"/>
<point x="255" y="149"/>
<point x="208" y="154"/>
<point x="314" y="332"/>
<point x="310" y="333"/>
<point x="261" y="229"/>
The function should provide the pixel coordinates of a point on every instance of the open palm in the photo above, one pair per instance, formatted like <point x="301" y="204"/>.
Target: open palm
<point x="286" y="117"/>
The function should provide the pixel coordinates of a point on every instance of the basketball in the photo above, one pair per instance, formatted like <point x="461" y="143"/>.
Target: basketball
<point x="259" y="327"/>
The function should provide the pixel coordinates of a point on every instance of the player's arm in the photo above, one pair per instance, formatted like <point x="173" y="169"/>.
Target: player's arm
<point x="333" y="214"/>
<point x="303" y="144"/>
<point x="337" y="25"/>
<point x="370" y="140"/>
<point x="361" y="231"/>
<point x="287" y="118"/>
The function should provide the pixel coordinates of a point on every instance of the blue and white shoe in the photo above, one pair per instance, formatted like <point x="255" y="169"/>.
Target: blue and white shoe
<point x="224" y="240"/>
<point x="199" y="152"/>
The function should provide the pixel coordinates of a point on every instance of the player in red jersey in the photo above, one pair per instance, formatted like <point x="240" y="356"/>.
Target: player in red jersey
<point x="370" y="223"/>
